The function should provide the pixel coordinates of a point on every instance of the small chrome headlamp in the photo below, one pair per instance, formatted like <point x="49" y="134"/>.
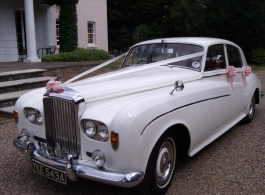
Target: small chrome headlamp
<point x="33" y="115"/>
<point x="95" y="129"/>
<point x="98" y="158"/>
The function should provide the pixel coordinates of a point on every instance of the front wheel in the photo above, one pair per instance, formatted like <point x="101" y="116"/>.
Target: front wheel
<point x="251" y="111"/>
<point x="160" y="167"/>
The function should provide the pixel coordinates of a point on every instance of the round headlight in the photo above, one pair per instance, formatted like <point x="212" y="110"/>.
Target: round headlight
<point x="39" y="119"/>
<point x="31" y="115"/>
<point x="98" y="158"/>
<point x="103" y="132"/>
<point x="90" y="128"/>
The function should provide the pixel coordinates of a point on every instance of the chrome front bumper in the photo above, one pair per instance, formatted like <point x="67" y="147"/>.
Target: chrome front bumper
<point x="74" y="169"/>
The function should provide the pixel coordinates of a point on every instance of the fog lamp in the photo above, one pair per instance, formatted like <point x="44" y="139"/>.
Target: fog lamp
<point x="24" y="135"/>
<point x="98" y="158"/>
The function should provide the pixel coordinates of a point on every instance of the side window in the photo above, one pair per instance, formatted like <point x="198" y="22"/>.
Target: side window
<point x="234" y="58"/>
<point x="215" y="58"/>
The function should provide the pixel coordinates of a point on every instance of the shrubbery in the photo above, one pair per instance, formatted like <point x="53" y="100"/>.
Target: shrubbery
<point x="258" y="56"/>
<point x="79" y="55"/>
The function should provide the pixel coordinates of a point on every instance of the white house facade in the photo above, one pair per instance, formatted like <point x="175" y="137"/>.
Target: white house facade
<point x="28" y="27"/>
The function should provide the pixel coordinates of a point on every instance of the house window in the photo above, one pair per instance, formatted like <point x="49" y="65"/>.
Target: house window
<point x="20" y="31"/>
<point x="91" y="33"/>
<point x="57" y="32"/>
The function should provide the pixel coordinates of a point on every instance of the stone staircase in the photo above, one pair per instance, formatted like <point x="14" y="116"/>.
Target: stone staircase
<point x="16" y="83"/>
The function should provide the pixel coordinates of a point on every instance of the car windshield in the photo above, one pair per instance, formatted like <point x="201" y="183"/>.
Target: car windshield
<point x="149" y="53"/>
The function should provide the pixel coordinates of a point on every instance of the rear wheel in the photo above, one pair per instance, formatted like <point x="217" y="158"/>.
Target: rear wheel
<point x="251" y="111"/>
<point x="160" y="167"/>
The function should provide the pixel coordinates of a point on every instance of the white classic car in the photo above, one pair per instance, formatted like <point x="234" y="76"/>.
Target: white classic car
<point x="127" y="127"/>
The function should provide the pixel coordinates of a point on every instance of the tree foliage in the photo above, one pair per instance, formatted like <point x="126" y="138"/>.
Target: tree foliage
<point x="240" y="21"/>
<point x="68" y="24"/>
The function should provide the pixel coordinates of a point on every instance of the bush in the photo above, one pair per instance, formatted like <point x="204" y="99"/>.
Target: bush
<point x="258" y="56"/>
<point x="79" y="55"/>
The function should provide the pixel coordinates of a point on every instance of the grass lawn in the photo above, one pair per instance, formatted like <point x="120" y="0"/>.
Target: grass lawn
<point x="116" y="65"/>
<point x="258" y="67"/>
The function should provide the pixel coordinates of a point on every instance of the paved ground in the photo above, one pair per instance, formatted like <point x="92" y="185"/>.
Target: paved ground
<point x="233" y="164"/>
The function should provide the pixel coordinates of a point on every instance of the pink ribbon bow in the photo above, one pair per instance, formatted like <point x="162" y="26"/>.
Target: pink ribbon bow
<point x="247" y="71"/>
<point x="231" y="71"/>
<point x="54" y="86"/>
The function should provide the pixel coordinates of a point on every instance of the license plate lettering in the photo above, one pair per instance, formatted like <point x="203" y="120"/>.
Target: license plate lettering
<point x="49" y="172"/>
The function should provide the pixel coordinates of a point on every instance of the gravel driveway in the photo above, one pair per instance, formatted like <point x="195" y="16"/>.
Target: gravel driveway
<point x="233" y="164"/>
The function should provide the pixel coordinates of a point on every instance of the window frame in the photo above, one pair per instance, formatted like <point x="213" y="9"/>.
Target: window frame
<point x="57" y="32"/>
<point x="224" y="54"/>
<point x="93" y="43"/>
<point x="238" y="55"/>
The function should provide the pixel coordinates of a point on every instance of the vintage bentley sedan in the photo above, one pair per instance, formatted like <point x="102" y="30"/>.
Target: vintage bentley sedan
<point x="127" y="128"/>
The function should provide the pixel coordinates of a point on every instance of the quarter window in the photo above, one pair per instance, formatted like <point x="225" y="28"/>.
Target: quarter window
<point x="234" y="58"/>
<point x="91" y="33"/>
<point x="215" y="58"/>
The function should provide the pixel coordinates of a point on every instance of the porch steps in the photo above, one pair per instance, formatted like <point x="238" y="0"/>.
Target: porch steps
<point x="23" y="84"/>
<point x="16" y="83"/>
<point x="21" y="74"/>
<point x="8" y="99"/>
<point x="7" y="111"/>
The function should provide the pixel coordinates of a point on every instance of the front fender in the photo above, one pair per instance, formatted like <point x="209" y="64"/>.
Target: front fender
<point x="141" y="123"/>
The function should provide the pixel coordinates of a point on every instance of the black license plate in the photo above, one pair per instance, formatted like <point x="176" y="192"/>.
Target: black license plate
<point x="49" y="172"/>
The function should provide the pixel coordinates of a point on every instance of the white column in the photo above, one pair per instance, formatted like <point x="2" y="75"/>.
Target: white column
<point x="30" y="32"/>
<point x="46" y="26"/>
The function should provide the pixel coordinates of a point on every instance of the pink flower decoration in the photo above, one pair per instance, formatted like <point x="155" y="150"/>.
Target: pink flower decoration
<point x="54" y="86"/>
<point x="231" y="71"/>
<point x="247" y="71"/>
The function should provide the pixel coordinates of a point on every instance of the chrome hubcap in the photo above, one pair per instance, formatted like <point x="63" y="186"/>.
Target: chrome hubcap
<point x="251" y="108"/>
<point x="165" y="162"/>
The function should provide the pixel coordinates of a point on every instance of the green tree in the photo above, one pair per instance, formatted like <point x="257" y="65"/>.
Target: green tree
<point x="68" y="24"/>
<point x="131" y="22"/>
<point x="240" y="21"/>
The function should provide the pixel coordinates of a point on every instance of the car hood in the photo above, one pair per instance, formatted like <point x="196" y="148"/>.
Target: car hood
<point x="131" y="80"/>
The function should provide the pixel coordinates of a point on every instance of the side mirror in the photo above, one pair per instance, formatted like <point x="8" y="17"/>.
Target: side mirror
<point x="178" y="86"/>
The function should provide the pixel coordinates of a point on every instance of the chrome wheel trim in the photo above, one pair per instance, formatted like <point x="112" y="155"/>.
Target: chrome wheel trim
<point x="165" y="162"/>
<point x="252" y="107"/>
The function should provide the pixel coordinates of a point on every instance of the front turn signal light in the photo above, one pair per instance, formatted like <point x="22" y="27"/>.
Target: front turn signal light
<point x="15" y="116"/>
<point x="114" y="140"/>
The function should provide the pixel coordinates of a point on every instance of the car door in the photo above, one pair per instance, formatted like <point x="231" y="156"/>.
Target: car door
<point x="234" y="58"/>
<point x="222" y="94"/>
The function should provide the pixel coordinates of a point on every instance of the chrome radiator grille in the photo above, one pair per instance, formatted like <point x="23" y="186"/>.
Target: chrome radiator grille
<point x="62" y="130"/>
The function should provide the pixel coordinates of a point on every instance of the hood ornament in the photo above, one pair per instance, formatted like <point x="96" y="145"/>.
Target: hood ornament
<point x="178" y="86"/>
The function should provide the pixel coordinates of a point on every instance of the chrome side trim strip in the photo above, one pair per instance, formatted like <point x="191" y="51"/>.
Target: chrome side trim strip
<point x="183" y="107"/>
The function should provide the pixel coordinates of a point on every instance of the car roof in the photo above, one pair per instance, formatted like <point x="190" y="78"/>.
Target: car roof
<point x="203" y="41"/>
